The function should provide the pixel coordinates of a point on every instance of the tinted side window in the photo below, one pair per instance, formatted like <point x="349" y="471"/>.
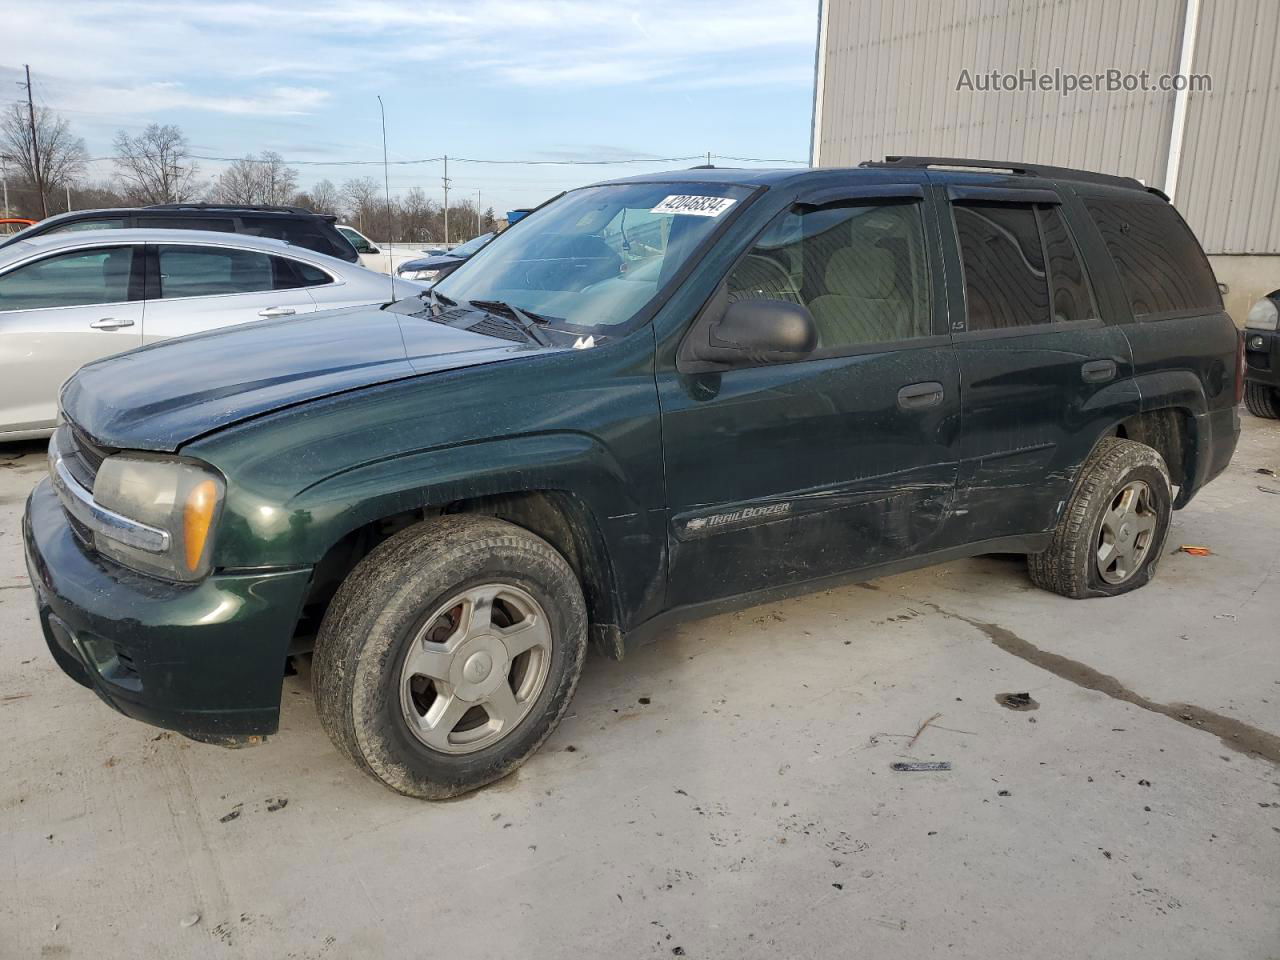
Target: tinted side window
<point x="223" y="225"/>
<point x="1005" y="281"/>
<point x="69" y="279"/>
<point x="300" y="232"/>
<point x="207" y="271"/>
<point x="861" y="271"/>
<point x="1161" y="265"/>
<point x="1069" y="290"/>
<point x="358" y="243"/>
<point x="291" y="274"/>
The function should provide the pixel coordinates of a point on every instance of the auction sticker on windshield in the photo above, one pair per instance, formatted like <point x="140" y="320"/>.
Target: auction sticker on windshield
<point x="694" y="206"/>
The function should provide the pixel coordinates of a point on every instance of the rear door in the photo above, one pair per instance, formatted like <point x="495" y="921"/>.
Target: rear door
<point x="1042" y="373"/>
<point x="787" y="472"/>
<point x="57" y="313"/>
<point x="195" y="287"/>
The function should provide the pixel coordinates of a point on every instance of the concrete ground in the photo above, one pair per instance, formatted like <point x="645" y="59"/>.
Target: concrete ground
<point x="724" y="793"/>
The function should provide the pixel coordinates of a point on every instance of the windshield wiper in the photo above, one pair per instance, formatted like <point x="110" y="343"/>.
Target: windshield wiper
<point x="528" y="321"/>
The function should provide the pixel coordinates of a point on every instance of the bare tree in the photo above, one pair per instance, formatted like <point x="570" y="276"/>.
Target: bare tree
<point x="238" y="183"/>
<point x="361" y="198"/>
<point x="324" y="197"/>
<point x="62" y="154"/>
<point x="264" y="179"/>
<point x="156" y="165"/>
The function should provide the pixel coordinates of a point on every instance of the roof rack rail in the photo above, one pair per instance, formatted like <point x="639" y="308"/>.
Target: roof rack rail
<point x="256" y="207"/>
<point x="1006" y="166"/>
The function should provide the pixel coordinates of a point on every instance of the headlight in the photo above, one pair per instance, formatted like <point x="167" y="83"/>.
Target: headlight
<point x="419" y="274"/>
<point x="178" y="497"/>
<point x="1263" y="315"/>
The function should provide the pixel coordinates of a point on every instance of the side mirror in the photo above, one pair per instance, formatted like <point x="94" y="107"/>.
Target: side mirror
<point x="754" y="331"/>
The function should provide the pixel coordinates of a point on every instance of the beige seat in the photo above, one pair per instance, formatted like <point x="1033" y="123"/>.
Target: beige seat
<point x="863" y="303"/>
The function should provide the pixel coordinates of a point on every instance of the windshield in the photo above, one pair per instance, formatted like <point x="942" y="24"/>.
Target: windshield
<point x="595" y="258"/>
<point x="471" y="246"/>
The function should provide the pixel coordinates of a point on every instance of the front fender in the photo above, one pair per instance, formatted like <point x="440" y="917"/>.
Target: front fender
<point x="302" y="529"/>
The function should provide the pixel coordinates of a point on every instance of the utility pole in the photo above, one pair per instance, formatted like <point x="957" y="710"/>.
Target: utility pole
<point x="35" y="147"/>
<point x="68" y="186"/>
<point x="4" y="176"/>
<point x="478" y="230"/>
<point x="708" y="158"/>
<point x="446" y="201"/>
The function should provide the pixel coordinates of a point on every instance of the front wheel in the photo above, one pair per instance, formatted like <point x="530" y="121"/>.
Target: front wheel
<point x="1112" y="530"/>
<point x="1262" y="400"/>
<point x="449" y="654"/>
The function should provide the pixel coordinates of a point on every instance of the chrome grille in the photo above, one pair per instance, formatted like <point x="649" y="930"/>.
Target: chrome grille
<point x="81" y="456"/>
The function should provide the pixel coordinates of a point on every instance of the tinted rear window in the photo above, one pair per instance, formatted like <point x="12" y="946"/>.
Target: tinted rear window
<point x="1161" y="265"/>
<point x="300" y="232"/>
<point x="1005" y="282"/>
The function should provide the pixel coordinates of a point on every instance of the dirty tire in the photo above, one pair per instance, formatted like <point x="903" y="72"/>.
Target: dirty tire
<point x="1069" y="566"/>
<point x="376" y="615"/>
<point x="1262" y="400"/>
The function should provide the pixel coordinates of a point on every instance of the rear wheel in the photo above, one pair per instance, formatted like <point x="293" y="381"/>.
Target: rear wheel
<point x="1110" y="535"/>
<point x="1261" y="400"/>
<point x="449" y="654"/>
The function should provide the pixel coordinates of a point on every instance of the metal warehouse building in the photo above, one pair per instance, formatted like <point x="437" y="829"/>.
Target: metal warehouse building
<point x="914" y="78"/>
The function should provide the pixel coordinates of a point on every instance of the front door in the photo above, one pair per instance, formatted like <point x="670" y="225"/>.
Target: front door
<point x="196" y="287"/>
<point x="1042" y="373"/>
<point x="58" y="313"/>
<point x="788" y="472"/>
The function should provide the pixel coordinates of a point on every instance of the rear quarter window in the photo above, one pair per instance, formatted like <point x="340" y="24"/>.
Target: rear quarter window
<point x="305" y="233"/>
<point x="1161" y="266"/>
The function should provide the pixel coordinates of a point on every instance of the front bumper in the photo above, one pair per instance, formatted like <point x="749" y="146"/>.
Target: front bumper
<point x="1262" y="357"/>
<point x="203" y="659"/>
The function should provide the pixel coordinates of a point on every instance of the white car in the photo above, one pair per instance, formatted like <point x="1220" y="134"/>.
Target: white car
<point x="69" y="298"/>
<point x="386" y="257"/>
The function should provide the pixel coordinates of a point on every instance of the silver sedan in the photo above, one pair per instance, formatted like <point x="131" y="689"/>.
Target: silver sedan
<point x="69" y="298"/>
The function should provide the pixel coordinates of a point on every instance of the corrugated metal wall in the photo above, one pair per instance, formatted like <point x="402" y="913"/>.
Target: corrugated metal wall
<point x="1231" y="152"/>
<point x="889" y="86"/>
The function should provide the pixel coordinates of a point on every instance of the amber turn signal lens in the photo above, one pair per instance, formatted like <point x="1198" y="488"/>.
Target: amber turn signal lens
<point x="196" y="519"/>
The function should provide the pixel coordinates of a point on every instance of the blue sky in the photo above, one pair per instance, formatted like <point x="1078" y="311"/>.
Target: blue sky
<point x="488" y="78"/>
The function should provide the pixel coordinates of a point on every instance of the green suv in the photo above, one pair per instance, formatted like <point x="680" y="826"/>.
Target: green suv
<point x="649" y="400"/>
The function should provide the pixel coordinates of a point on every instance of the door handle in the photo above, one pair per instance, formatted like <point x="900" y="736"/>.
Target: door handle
<point x="919" y="396"/>
<point x="1098" y="371"/>
<point x="111" y="323"/>
<point x="270" y="312"/>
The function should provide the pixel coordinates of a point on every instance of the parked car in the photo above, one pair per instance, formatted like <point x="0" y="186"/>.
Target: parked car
<point x="69" y="298"/>
<point x="385" y="258"/>
<point x="1262" y="358"/>
<point x="302" y="228"/>
<point x="433" y="269"/>
<point x="660" y="397"/>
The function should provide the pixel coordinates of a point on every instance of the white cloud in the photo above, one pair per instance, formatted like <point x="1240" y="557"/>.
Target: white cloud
<point x="155" y="53"/>
<point x="150" y="98"/>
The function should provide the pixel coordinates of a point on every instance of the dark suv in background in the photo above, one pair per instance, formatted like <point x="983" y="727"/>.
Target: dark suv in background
<point x="1262" y="357"/>
<point x="650" y="400"/>
<point x="302" y="228"/>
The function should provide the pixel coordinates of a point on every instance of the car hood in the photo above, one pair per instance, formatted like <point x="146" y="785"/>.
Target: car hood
<point x="164" y="395"/>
